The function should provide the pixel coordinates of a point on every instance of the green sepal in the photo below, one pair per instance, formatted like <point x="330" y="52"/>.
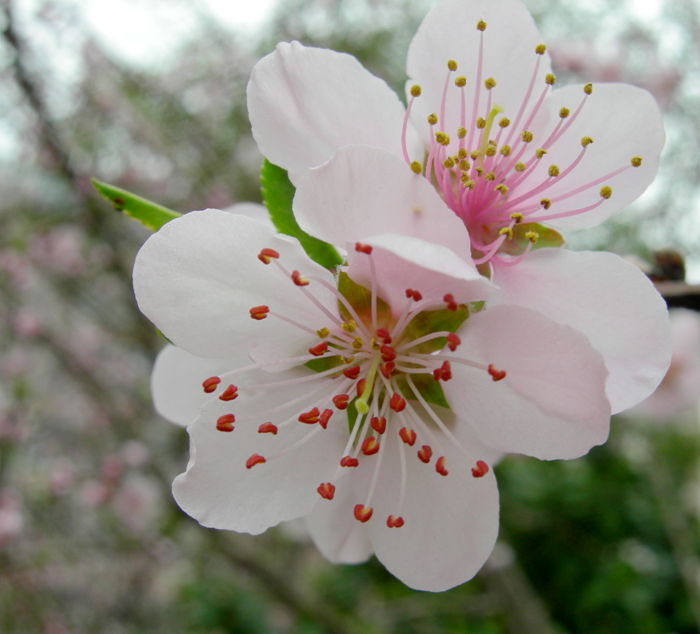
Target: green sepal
<point x="150" y="214"/>
<point x="278" y="194"/>
<point x="324" y="363"/>
<point x="518" y="243"/>
<point x="434" y="321"/>
<point x="360" y="298"/>
<point x="427" y="386"/>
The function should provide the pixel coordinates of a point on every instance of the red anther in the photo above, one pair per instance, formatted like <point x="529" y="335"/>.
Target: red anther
<point x="362" y="512"/>
<point x="298" y="279"/>
<point x="496" y="375"/>
<point x="363" y="248"/>
<point x="453" y="341"/>
<point x="444" y="372"/>
<point x="408" y="436"/>
<point x="425" y="453"/>
<point x="259" y="312"/>
<point x="378" y="424"/>
<point x="311" y="417"/>
<point x="352" y="372"/>
<point x="413" y="294"/>
<point x="326" y="490"/>
<point x="209" y="385"/>
<point x="450" y="301"/>
<point x="266" y="255"/>
<point x="388" y="352"/>
<point x="267" y="428"/>
<point x="394" y="522"/>
<point x="383" y="333"/>
<point x="229" y="393"/>
<point x="319" y="349"/>
<point x="361" y="386"/>
<point x="387" y="369"/>
<point x="325" y="416"/>
<point x="397" y="402"/>
<point x="256" y="458"/>
<point x="370" y="446"/>
<point x="341" y="401"/>
<point x="347" y="461"/>
<point x="440" y="466"/>
<point x="480" y="470"/>
<point x="225" y="422"/>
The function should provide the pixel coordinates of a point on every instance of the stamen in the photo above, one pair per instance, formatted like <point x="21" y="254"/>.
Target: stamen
<point x="266" y="255"/>
<point x="326" y="490"/>
<point x="394" y="522"/>
<point x="255" y="459"/>
<point x="440" y="466"/>
<point x="229" y="394"/>
<point x="408" y="436"/>
<point x="225" y="422"/>
<point x="378" y="424"/>
<point x="259" y="312"/>
<point x="209" y="385"/>
<point x="268" y="428"/>
<point x="480" y="470"/>
<point x="496" y="375"/>
<point x="425" y="453"/>
<point x="363" y="513"/>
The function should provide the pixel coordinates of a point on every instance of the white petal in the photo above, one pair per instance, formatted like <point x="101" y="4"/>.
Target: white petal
<point x="449" y="32"/>
<point x="252" y="210"/>
<point x="304" y="103"/>
<point x="198" y="277"/>
<point x="552" y="402"/>
<point x="364" y="192"/>
<point x="219" y="491"/>
<point x="623" y="121"/>
<point x="176" y="382"/>
<point x="606" y="298"/>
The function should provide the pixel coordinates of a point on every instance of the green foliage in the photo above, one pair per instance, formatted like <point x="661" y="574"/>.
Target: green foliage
<point x="278" y="194"/>
<point x="430" y="321"/>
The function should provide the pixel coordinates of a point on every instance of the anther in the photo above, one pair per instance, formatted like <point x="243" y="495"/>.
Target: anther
<point x="323" y="332"/>
<point x="383" y="333"/>
<point x="413" y="294"/>
<point x="432" y="119"/>
<point x="349" y="326"/>
<point x="363" y="248"/>
<point x="397" y="402"/>
<point x="480" y="470"/>
<point x="532" y="236"/>
<point x="362" y="512"/>
<point x="225" y="422"/>
<point x="394" y="522"/>
<point x="388" y="353"/>
<point x="540" y="153"/>
<point x="360" y="387"/>
<point x="588" y="89"/>
<point x="341" y="401"/>
<point x="370" y="446"/>
<point x="425" y="453"/>
<point x="462" y="153"/>
<point x="501" y="188"/>
<point x="605" y="192"/>
<point x="564" y="112"/>
<point x="416" y="167"/>
<point x="416" y="90"/>
<point x="268" y="428"/>
<point x="319" y="349"/>
<point x="352" y="372"/>
<point x="481" y="25"/>
<point x="442" y="138"/>
<point x="325" y="417"/>
<point x="266" y="255"/>
<point x="408" y="436"/>
<point x="506" y="231"/>
<point x="448" y="163"/>
<point x="326" y="490"/>
<point x="505" y="150"/>
<point x="256" y="458"/>
<point x="209" y="385"/>
<point x="453" y="341"/>
<point x="517" y="216"/>
<point x="452" y="65"/>
<point x="496" y="375"/>
<point x="550" y="79"/>
<point x="460" y="82"/>
<point x="526" y="136"/>
<point x="440" y="466"/>
<point x="519" y="167"/>
<point x="387" y="369"/>
<point x="298" y="279"/>
<point x="311" y="417"/>
<point x="490" y="83"/>
<point x="553" y="171"/>
<point x="348" y="461"/>
<point x="546" y="203"/>
<point x="540" y="49"/>
<point x="449" y="299"/>
<point x="586" y="141"/>
<point x="259" y="312"/>
<point x="230" y="393"/>
<point x="357" y="343"/>
<point x="504" y="122"/>
<point x="444" y="372"/>
<point x="481" y="123"/>
<point x="378" y="423"/>
<point x="636" y="161"/>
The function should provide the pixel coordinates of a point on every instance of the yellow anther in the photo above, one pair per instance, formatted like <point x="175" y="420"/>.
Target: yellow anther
<point x="506" y="231"/>
<point x="540" y="153"/>
<point x="416" y="90"/>
<point x="442" y="138"/>
<point x="490" y="176"/>
<point x="432" y="119"/>
<point x="464" y="165"/>
<point x="460" y="81"/>
<point x="481" y="123"/>
<point x="348" y="360"/>
<point x="586" y="141"/>
<point x="588" y="89"/>
<point x="540" y="49"/>
<point x="462" y="153"/>
<point x="357" y="343"/>
<point x="527" y="136"/>
<point x="481" y="25"/>
<point x="505" y="150"/>
<point x="502" y="188"/>
<point x="479" y="170"/>
<point x="519" y="167"/>
<point x="448" y="162"/>
<point x="532" y="236"/>
<point x="452" y="64"/>
<point x="474" y="154"/>
<point x="605" y="192"/>
<point x="550" y="79"/>
<point x="517" y="216"/>
<point x="490" y="83"/>
<point x="461" y="133"/>
<point x="636" y="161"/>
<point x="373" y="344"/>
<point x="491" y="150"/>
<point x="416" y="167"/>
<point x="349" y="326"/>
<point x="564" y="112"/>
<point x="546" y="203"/>
<point x="468" y="184"/>
<point x="553" y="171"/>
<point x="323" y="332"/>
<point x="504" y="123"/>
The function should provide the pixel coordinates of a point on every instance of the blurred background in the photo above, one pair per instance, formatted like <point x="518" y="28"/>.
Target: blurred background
<point x="150" y="95"/>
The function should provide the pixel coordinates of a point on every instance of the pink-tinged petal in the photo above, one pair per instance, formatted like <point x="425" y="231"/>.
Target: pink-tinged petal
<point x="199" y="276"/>
<point x="624" y="122"/>
<point x="339" y="537"/>
<point x="364" y="192"/>
<point x="606" y="298"/>
<point x="451" y="522"/>
<point x="176" y="382"/>
<point x="449" y="32"/>
<point x="304" y="103"/>
<point x="433" y="270"/>
<point x="220" y="491"/>
<point x="551" y="401"/>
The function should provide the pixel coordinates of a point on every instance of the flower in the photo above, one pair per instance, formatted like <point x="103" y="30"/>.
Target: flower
<point x="505" y="151"/>
<point x="374" y="410"/>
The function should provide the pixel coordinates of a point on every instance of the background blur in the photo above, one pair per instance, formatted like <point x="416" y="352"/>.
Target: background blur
<point x="150" y="95"/>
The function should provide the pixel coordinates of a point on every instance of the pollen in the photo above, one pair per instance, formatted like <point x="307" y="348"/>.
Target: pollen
<point x="540" y="49"/>
<point x="527" y="136"/>
<point x="505" y="150"/>
<point x="489" y="83"/>
<point x="432" y="119"/>
<point x="532" y="236"/>
<point x="481" y="123"/>
<point x="550" y="79"/>
<point x="442" y="138"/>
<point x="416" y="90"/>
<point x="481" y="25"/>
<point x="553" y="171"/>
<point x="504" y="122"/>
<point x="588" y="89"/>
<point x="502" y="188"/>
<point x="416" y="167"/>
<point x="506" y="231"/>
<point x="448" y="162"/>
<point x="460" y="81"/>
<point x="564" y="113"/>
<point x="452" y="65"/>
<point x="586" y="141"/>
<point x="540" y="153"/>
<point x="517" y="216"/>
<point x="636" y="161"/>
<point x="546" y="203"/>
<point x="461" y="133"/>
<point x="605" y="192"/>
<point x="349" y="326"/>
<point x="519" y="167"/>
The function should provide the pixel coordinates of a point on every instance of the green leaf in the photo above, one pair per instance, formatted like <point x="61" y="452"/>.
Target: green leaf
<point x="430" y="321"/>
<point x="324" y="363"/>
<point x="278" y="193"/>
<point x="148" y="213"/>
<point x="546" y="237"/>
<point x="427" y="386"/>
